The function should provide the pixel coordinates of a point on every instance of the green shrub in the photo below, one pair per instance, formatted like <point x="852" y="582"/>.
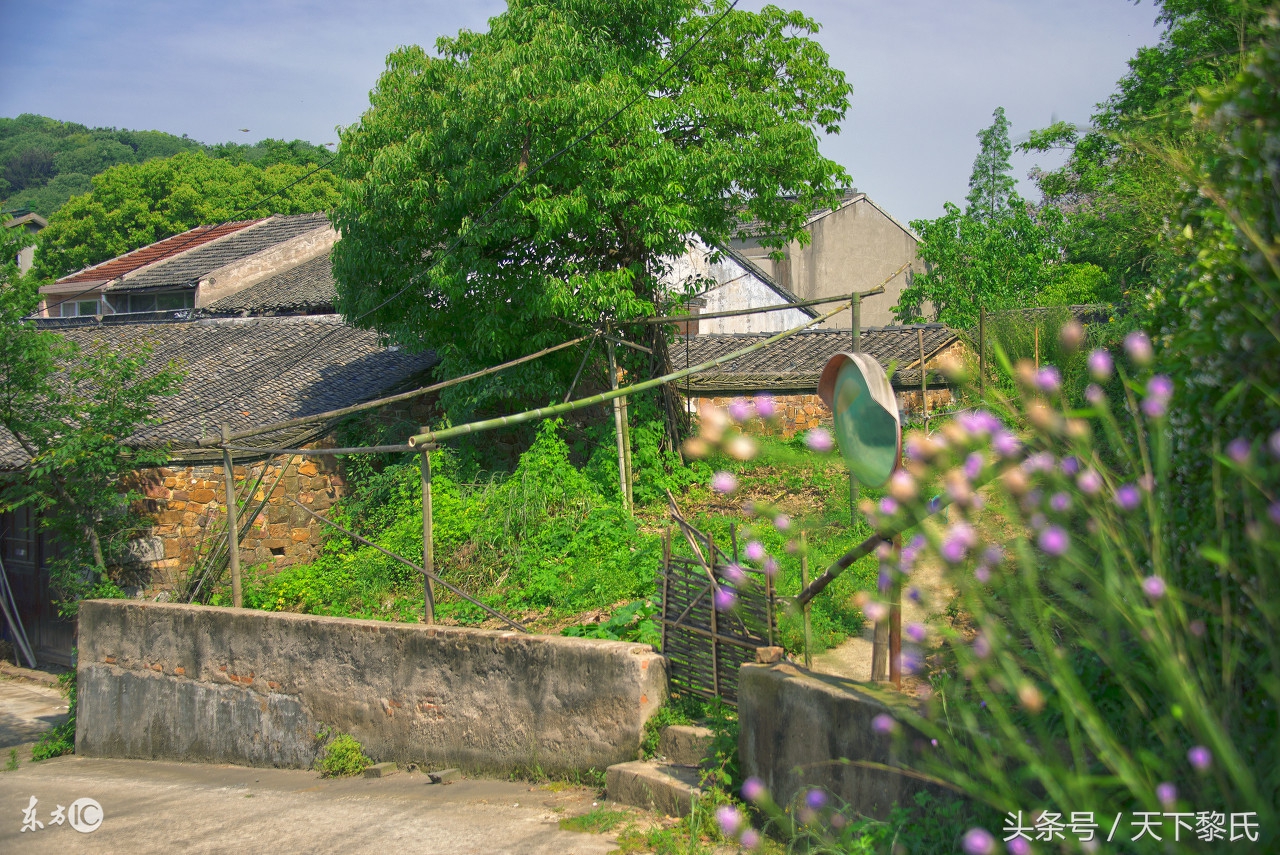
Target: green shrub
<point x="342" y="757"/>
<point x="62" y="738"/>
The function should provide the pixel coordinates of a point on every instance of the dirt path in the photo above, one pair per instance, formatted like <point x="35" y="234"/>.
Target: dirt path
<point x="852" y="659"/>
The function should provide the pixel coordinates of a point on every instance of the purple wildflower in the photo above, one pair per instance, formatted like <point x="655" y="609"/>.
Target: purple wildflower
<point x="982" y="573"/>
<point x="1005" y="444"/>
<point x="725" y="598"/>
<point x="953" y="550"/>
<point x="914" y="449"/>
<point x="1127" y="497"/>
<point x="1273" y="511"/>
<point x="1238" y="450"/>
<point x="993" y="554"/>
<point x="1274" y="444"/>
<point x="749" y="839"/>
<point x="964" y="532"/>
<point x="1089" y="482"/>
<point x="815" y="799"/>
<point x="979" y="422"/>
<point x="819" y="439"/>
<point x="1197" y="627"/>
<point x="1019" y="846"/>
<point x="917" y="632"/>
<point x="1094" y="395"/>
<point x="1060" y="503"/>
<point x="1049" y="379"/>
<point x="735" y="574"/>
<point x="1167" y="793"/>
<point x="765" y="406"/>
<point x="724" y="482"/>
<point x="729" y="820"/>
<point x="753" y="789"/>
<point x="1154" y="587"/>
<point x="1161" y="387"/>
<point x="875" y="611"/>
<point x="1200" y="758"/>
<point x="1054" y="541"/>
<point x="782" y="522"/>
<point x="1070" y="465"/>
<point x="888" y="506"/>
<point x="1037" y="521"/>
<point x="885" y="579"/>
<point x="754" y="551"/>
<point x="884" y="724"/>
<point x="1138" y="346"/>
<point x="740" y="410"/>
<point x="911" y="662"/>
<point x="973" y="466"/>
<point x="1154" y="408"/>
<point x="978" y="841"/>
<point x="1100" y="364"/>
<point x="913" y="594"/>
<point x="770" y="566"/>
<point x="982" y="649"/>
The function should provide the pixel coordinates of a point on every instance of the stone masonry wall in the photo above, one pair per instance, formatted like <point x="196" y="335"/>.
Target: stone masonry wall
<point x="802" y="412"/>
<point x="188" y="504"/>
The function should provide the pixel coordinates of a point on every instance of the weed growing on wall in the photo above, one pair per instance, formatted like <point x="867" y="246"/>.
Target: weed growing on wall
<point x="343" y="756"/>
<point x="62" y="738"/>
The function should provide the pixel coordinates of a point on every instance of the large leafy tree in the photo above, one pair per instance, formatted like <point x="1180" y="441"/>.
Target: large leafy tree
<point x="70" y="412"/>
<point x="539" y="172"/>
<point x="133" y="205"/>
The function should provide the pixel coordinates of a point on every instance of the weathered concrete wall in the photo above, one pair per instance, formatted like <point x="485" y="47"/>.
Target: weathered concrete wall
<point x="200" y="684"/>
<point x="796" y="727"/>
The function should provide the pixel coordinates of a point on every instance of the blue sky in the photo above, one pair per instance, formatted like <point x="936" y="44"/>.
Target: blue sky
<point x="926" y="74"/>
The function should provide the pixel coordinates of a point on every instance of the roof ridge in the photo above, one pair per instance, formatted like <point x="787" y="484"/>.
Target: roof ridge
<point x="203" y="227"/>
<point x="160" y="263"/>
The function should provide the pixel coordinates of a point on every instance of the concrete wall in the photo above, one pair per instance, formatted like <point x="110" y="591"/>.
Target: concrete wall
<point x="852" y="249"/>
<point x="211" y="685"/>
<point x="285" y="255"/>
<point x="201" y="684"/>
<point x="796" y="727"/>
<point x="737" y="288"/>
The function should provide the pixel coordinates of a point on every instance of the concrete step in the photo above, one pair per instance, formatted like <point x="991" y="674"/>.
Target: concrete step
<point x="685" y="745"/>
<point x="663" y="787"/>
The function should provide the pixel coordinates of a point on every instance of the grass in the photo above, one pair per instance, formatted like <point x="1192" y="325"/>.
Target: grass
<point x="598" y="821"/>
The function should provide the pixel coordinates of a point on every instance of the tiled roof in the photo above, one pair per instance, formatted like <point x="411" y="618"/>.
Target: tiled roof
<point x="249" y="372"/>
<point x="188" y="268"/>
<point x="152" y="253"/>
<point x="305" y="289"/>
<point x="796" y="362"/>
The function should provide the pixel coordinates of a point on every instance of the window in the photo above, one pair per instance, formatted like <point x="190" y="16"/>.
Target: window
<point x="78" y="308"/>
<point x="165" y="301"/>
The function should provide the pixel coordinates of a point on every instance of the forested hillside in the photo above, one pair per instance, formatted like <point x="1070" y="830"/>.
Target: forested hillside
<point x="44" y="161"/>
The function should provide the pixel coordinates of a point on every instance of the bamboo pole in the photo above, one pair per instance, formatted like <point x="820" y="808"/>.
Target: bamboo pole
<point x="778" y="307"/>
<point x="924" y="383"/>
<point x="666" y="582"/>
<point x="804" y="583"/>
<point x="205" y="442"/>
<point x="321" y="452"/>
<point x="618" y="428"/>
<point x="233" y="529"/>
<point x="428" y="542"/>
<point x="1037" y="345"/>
<point x="558" y="409"/>
<point x="895" y="620"/>
<point x="982" y="351"/>
<point x="715" y="626"/>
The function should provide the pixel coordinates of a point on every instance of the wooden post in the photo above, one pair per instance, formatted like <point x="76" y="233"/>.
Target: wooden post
<point x="895" y="620"/>
<point x="428" y="540"/>
<point x="804" y="583"/>
<point x="715" y="625"/>
<point x="982" y="351"/>
<point x="924" y="383"/>
<point x="233" y="525"/>
<point x="626" y="453"/>
<point x="1037" y="335"/>
<point x="619" y="427"/>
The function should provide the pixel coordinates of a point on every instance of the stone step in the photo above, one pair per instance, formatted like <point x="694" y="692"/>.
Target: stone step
<point x="685" y="745"/>
<point x="663" y="787"/>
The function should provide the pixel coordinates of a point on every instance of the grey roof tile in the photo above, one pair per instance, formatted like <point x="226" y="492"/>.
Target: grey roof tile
<point x="795" y="363"/>
<point x="307" y="288"/>
<point x="250" y="372"/>
<point x="187" y="269"/>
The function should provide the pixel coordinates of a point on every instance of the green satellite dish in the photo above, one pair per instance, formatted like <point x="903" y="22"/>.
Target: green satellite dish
<point x="858" y="392"/>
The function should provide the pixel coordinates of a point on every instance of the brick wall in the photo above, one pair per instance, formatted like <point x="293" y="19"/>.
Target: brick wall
<point x="188" y="504"/>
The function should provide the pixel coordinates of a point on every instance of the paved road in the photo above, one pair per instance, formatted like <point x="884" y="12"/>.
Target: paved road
<point x="27" y="710"/>
<point x="151" y="807"/>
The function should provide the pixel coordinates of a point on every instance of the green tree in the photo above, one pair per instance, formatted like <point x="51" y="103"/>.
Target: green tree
<point x="461" y="233"/>
<point x="70" y="411"/>
<point x="991" y="184"/>
<point x="132" y="205"/>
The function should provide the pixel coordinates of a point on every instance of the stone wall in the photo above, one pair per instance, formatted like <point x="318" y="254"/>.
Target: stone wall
<point x="796" y="729"/>
<point x="188" y="505"/>
<point x="219" y="685"/>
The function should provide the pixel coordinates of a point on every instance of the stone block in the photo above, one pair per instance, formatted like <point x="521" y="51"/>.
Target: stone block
<point x="308" y="469"/>
<point x="653" y="786"/>
<point x="300" y="535"/>
<point x="202" y="495"/>
<point x="685" y="745"/>
<point x="445" y="776"/>
<point x="381" y="770"/>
